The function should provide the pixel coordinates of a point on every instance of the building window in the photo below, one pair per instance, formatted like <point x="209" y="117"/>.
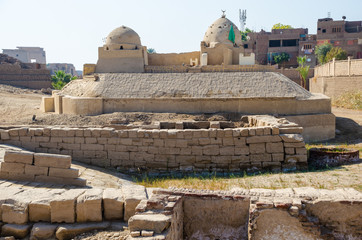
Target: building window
<point x="323" y="31"/>
<point x="336" y="29"/>
<point x="290" y="43"/>
<point x="246" y="46"/>
<point x="274" y="43"/>
<point x="308" y="46"/>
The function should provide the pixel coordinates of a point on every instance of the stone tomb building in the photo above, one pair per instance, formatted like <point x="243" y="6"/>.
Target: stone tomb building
<point x="117" y="83"/>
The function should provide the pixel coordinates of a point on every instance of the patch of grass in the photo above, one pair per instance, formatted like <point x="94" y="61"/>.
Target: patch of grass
<point x="340" y="177"/>
<point x="350" y="100"/>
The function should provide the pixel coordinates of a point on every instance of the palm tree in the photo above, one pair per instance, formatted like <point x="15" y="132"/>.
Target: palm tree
<point x="60" y="79"/>
<point x="303" y="70"/>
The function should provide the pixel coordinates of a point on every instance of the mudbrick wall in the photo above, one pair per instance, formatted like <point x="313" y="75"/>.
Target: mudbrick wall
<point x="19" y="77"/>
<point x="167" y="150"/>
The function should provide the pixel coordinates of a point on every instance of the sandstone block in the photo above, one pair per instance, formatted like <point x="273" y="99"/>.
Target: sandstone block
<point x="18" y="231"/>
<point x="39" y="211"/>
<point x="278" y="157"/>
<point x="274" y="147"/>
<point x="16" y="213"/>
<point x="113" y="204"/>
<point x="211" y="150"/>
<point x="69" y="231"/>
<point x="296" y="158"/>
<point x="260" y="158"/>
<point x="291" y="130"/>
<point x="294" y="145"/>
<point x="133" y="194"/>
<point x="289" y="151"/>
<point x="12" y="167"/>
<point x="4" y="134"/>
<point x="301" y="151"/>
<point x="20" y="177"/>
<point x="18" y="157"/>
<point x="65" y="173"/>
<point x="52" y="160"/>
<point x="214" y="124"/>
<point x="242" y="150"/>
<point x="36" y="170"/>
<point x="257" y="148"/>
<point x="228" y="141"/>
<point x="263" y="139"/>
<point x="227" y="151"/>
<point x="89" y="206"/>
<point x="291" y="138"/>
<point x="62" y="207"/>
<point x="153" y="222"/>
<point x="43" y="231"/>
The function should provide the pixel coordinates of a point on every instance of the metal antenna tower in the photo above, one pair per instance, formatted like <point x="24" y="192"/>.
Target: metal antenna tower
<point x="242" y="18"/>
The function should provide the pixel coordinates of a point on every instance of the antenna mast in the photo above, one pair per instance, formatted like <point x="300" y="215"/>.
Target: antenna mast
<point x="242" y="18"/>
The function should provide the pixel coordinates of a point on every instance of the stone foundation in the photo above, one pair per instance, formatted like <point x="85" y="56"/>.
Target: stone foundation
<point x="301" y="213"/>
<point x="273" y="144"/>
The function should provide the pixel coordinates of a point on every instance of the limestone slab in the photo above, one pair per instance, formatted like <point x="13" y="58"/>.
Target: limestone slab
<point x="16" y="213"/>
<point x="113" y="204"/>
<point x="43" y="231"/>
<point x="69" y="231"/>
<point x="151" y="222"/>
<point x="133" y="194"/>
<point x="89" y="206"/>
<point x="18" y="231"/>
<point x="18" y="157"/>
<point x="62" y="208"/>
<point x="52" y="160"/>
<point x="64" y="173"/>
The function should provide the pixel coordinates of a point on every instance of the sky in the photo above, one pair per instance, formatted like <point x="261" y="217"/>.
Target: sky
<point x="70" y="31"/>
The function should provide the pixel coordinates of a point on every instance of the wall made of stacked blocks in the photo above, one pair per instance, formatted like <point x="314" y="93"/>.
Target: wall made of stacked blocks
<point x="236" y="149"/>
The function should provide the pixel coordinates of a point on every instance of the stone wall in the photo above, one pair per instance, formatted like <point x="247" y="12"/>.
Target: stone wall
<point x="299" y="213"/>
<point x="167" y="59"/>
<point x="268" y="147"/>
<point x="333" y="87"/>
<point x="340" y="68"/>
<point x="19" y="77"/>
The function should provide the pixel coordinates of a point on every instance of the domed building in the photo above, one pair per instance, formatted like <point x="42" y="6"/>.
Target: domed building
<point x="222" y="44"/>
<point x="122" y="52"/>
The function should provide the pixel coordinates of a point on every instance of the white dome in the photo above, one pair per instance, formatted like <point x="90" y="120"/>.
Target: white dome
<point x="218" y="32"/>
<point x="123" y="35"/>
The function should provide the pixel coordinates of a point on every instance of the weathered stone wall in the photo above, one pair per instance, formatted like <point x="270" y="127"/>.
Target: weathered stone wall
<point x="299" y="213"/>
<point x="340" y="68"/>
<point x="167" y="59"/>
<point x="168" y="150"/>
<point x="335" y="86"/>
<point x="19" y="77"/>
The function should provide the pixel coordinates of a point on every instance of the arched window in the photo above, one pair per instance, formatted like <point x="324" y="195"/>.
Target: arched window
<point x="136" y="48"/>
<point x="121" y="47"/>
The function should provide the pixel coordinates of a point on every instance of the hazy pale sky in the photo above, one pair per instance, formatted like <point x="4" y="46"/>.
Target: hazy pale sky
<point x="70" y="31"/>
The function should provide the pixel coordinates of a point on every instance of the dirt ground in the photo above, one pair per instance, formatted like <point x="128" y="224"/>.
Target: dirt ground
<point x="18" y="107"/>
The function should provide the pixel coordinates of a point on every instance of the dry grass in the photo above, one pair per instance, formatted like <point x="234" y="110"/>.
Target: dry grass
<point x="348" y="176"/>
<point x="350" y="100"/>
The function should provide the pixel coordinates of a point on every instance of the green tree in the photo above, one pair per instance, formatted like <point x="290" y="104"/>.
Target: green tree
<point x="321" y="52"/>
<point x="337" y="53"/>
<point x="151" y="50"/>
<point x="245" y="34"/>
<point x="281" y="58"/>
<point x="303" y="70"/>
<point x="60" y="79"/>
<point x="281" y="26"/>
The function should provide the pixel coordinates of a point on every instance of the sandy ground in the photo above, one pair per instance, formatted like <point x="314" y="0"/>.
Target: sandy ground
<point x="18" y="106"/>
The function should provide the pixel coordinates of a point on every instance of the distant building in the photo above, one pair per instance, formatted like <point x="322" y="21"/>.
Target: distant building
<point x="27" y="54"/>
<point x="341" y="33"/>
<point x="66" y="67"/>
<point x="295" y="42"/>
